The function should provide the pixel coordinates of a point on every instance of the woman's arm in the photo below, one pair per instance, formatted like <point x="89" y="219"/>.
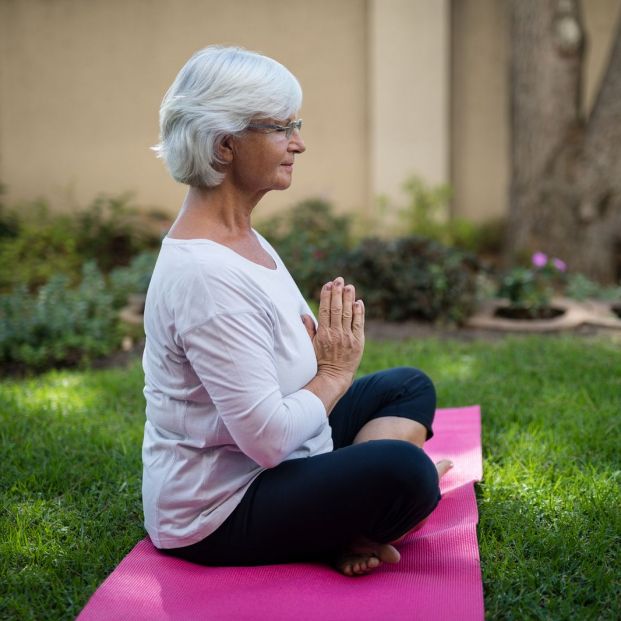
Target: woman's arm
<point x="233" y="356"/>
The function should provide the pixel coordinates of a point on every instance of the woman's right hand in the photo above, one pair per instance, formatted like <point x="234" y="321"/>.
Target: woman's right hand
<point x="339" y="340"/>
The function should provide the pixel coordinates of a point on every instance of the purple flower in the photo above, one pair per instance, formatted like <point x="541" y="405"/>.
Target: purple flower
<point x="560" y="265"/>
<point x="539" y="259"/>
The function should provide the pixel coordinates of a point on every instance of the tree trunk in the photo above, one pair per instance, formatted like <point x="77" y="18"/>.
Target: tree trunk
<point x="565" y="196"/>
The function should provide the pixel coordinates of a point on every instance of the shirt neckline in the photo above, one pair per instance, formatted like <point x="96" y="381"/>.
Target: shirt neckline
<point x="204" y="240"/>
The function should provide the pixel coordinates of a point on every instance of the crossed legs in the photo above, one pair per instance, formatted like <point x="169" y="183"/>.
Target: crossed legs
<point x="363" y="556"/>
<point x="349" y="505"/>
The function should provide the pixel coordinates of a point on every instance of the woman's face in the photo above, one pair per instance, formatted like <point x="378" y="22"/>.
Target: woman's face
<point x="263" y="160"/>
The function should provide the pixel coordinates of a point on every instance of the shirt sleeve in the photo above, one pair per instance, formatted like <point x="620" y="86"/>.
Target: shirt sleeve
<point x="233" y="355"/>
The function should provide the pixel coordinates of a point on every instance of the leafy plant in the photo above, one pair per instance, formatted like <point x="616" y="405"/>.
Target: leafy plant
<point x="427" y="214"/>
<point x="37" y="244"/>
<point x="530" y="289"/>
<point x="134" y="278"/>
<point x="40" y="247"/>
<point x="58" y="325"/>
<point x="423" y="214"/>
<point x="413" y="278"/>
<point x="112" y="231"/>
<point x="579" y="287"/>
<point x="8" y="219"/>
<point x="311" y="241"/>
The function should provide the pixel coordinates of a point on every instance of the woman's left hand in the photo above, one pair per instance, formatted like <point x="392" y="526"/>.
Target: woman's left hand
<point x="309" y="324"/>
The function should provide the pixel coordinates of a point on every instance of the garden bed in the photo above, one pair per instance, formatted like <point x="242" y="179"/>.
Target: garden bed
<point x="569" y="315"/>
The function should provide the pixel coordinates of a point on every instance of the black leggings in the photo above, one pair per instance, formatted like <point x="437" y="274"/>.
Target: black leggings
<point x="310" y="509"/>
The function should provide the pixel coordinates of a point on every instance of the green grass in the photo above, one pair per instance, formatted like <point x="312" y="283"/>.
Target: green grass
<point x="550" y="519"/>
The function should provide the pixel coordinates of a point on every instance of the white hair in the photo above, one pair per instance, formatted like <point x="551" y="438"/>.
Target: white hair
<point x="216" y="94"/>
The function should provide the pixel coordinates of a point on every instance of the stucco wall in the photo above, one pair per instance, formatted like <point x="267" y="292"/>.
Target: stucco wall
<point x="409" y="86"/>
<point x="392" y="87"/>
<point x="81" y="83"/>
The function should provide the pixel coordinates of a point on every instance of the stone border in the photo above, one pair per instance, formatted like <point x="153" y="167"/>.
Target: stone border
<point x="589" y="312"/>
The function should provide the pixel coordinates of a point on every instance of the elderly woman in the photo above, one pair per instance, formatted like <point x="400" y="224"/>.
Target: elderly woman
<point x="259" y="446"/>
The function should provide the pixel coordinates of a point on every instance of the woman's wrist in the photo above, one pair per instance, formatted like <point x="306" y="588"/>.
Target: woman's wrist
<point x="340" y="381"/>
<point x="329" y="388"/>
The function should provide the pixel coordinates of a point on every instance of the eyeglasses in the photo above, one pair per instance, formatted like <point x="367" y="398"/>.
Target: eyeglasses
<point x="271" y="127"/>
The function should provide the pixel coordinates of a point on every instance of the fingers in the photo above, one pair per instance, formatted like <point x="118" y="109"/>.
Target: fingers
<point x="357" y="324"/>
<point x="349" y="295"/>
<point x="309" y="324"/>
<point x="336" y="303"/>
<point x="324" y="304"/>
<point x="338" y="308"/>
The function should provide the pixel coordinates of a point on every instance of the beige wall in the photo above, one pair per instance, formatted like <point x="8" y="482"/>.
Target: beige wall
<point x="479" y="108"/>
<point x="408" y="93"/>
<point x="81" y="82"/>
<point x="392" y="87"/>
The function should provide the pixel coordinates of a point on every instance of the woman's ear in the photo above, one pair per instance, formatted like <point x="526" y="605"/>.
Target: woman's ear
<point x="226" y="150"/>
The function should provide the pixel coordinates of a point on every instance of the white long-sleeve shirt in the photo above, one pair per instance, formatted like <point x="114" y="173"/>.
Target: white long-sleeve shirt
<point x="225" y="360"/>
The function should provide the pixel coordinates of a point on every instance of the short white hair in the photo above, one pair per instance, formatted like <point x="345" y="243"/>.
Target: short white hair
<point x="216" y="94"/>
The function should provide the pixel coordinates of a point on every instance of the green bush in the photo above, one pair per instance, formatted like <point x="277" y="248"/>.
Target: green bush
<point x="134" y="278"/>
<point x="8" y="219"/>
<point x="59" y="324"/>
<point x="40" y="247"/>
<point x="426" y="207"/>
<point x="112" y="231"/>
<point x="579" y="287"/>
<point x="311" y="241"/>
<point x="426" y="214"/>
<point x="413" y="278"/>
<point x="36" y="244"/>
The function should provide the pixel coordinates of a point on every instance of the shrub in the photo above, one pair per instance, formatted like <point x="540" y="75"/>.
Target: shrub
<point x="110" y="231"/>
<point x="58" y="325"/>
<point x="579" y="287"/>
<point x="413" y="278"/>
<point x="530" y="289"/>
<point x="40" y="247"/>
<point x="134" y="278"/>
<point x="426" y="214"/>
<point x="311" y="241"/>
<point x="423" y="213"/>
<point x="8" y="219"/>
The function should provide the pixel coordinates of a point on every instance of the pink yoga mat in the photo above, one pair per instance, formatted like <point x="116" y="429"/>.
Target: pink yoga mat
<point x="438" y="578"/>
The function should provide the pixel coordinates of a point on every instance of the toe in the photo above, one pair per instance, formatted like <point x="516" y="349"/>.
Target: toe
<point x="443" y="466"/>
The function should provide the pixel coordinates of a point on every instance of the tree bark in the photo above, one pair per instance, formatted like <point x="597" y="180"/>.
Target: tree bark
<point x="565" y="195"/>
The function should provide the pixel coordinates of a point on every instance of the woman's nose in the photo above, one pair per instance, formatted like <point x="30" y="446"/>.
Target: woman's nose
<point x="296" y="144"/>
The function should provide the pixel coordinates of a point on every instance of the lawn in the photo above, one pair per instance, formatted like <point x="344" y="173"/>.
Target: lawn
<point x="550" y="519"/>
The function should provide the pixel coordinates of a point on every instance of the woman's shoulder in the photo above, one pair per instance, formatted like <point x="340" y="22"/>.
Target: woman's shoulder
<point x="198" y="259"/>
<point x="208" y="275"/>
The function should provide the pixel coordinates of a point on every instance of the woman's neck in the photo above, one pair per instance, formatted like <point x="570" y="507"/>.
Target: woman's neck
<point x="221" y="214"/>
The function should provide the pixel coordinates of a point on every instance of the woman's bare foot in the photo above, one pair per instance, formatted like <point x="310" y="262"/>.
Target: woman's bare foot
<point x="443" y="466"/>
<point x="362" y="558"/>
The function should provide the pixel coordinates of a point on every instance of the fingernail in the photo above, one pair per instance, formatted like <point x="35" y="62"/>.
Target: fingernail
<point x="329" y="286"/>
